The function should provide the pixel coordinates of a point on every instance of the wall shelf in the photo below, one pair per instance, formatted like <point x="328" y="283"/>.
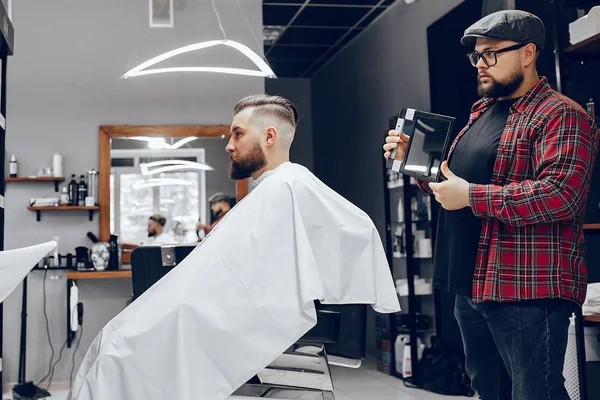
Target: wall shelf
<point x="55" y="179"/>
<point x="38" y="210"/>
<point x="586" y="47"/>
<point x="110" y="274"/>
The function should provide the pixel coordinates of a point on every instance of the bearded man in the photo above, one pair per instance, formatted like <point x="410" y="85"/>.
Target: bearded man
<point x="510" y="241"/>
<point x="246" y="293"/>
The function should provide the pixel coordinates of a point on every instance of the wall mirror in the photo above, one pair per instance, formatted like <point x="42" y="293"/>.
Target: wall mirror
<point x="170" y="170"/>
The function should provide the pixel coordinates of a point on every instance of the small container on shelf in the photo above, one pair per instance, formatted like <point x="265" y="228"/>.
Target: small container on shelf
<point x="13" y="167"/>
<point x="585" y="27"/>
<point x="399" y="250"/>
<point x="64" y="196"/>
<point x="422" y="287"/>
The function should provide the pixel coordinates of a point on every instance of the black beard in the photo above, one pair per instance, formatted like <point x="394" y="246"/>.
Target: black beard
<point x="501" y="89"/>
<point x="151" y="234"/>
<point x="245" y="167"/>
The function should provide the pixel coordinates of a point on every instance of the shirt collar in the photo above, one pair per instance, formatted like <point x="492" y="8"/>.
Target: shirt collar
<point x="266" y="174"/>
<point x="524" y="104"/>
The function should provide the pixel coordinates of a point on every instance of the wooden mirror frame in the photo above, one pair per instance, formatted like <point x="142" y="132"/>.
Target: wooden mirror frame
<point x="176" y="131"/>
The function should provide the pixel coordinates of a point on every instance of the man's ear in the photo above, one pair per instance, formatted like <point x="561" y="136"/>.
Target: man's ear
<point x="530" y="54"/>
<point x="271" y="136"/>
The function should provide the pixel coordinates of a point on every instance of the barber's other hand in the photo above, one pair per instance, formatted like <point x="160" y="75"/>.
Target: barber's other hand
<point x="394" y="140"/>
<point x="452" y="194"/>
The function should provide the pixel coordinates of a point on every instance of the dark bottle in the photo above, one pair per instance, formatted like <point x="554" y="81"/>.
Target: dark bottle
<point x="82" y="191"/>
<point x="113" y="249"/>
<point x="73" y="192"/>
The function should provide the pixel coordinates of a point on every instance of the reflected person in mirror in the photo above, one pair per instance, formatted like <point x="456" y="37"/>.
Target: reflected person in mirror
<point x="220" y="204"/>
<point x="156" y="231"/>
<point x="510" y="241"/>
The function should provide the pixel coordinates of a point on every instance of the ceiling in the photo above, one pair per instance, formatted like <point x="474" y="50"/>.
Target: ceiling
<point x="300" y="36"/>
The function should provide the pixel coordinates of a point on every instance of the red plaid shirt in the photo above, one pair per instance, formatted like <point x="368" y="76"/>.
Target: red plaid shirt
<point x="532" y="243"/>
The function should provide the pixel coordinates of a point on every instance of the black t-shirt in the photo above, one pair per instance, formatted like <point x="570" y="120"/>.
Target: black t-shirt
<point x="458" y="231"/>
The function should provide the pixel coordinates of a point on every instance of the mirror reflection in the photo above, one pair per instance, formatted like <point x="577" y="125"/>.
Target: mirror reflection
<point x="168" y="190"/>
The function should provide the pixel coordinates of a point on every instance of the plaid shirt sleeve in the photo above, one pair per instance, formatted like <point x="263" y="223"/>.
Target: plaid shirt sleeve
<point x="424" y="186"/>
<point x="561" y="159"/>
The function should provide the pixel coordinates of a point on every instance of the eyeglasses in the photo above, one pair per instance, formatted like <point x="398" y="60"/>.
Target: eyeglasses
<point x="489" y="56"/>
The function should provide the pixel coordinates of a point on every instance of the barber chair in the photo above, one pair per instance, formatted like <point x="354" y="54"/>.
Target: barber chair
<point x="302" y="372"/>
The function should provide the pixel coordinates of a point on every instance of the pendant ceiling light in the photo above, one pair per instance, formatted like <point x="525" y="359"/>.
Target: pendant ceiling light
<point x="160" y="182"/>
<point x="263" y="68"/>
<point x="159" y="143"/>
<point x="172" y="165"/>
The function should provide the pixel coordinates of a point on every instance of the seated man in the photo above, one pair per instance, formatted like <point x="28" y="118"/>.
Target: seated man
<point x="156" y="232"/>
<point x="247" y="292"/>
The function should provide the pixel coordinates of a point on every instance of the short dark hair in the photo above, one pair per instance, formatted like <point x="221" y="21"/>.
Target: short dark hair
<point x="275" y="106"/>
<point x="218" y="197"/>
<point x="159" y="219"/>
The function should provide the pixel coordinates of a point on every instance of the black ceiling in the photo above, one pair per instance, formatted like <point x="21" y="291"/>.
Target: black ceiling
<point x="300" y="36"/>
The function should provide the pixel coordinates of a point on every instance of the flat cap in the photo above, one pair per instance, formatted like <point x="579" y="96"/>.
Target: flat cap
<point x="217" y="197"/>
<point x="518" y="26"/>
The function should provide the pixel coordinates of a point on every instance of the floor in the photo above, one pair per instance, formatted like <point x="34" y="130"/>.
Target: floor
<point x="365" y="383"/>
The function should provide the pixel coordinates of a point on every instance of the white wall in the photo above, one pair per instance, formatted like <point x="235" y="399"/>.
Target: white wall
<point x="297" y="90"/>
<point x="62" y="84"/>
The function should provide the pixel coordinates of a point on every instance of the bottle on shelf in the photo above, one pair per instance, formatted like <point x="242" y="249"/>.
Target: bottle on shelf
<point x="57" y="165"/>
<point x="82" y="191"/>
<point x="73" y="191"/>
<point x="93" y="185"/>
<point x="113" y="260"/>
<point x="13" y="167"/>
<point x="64" y="197"/>
<point x="55" y="255"/>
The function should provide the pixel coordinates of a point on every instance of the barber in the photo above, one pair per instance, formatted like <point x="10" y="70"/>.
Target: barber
<point x="510" y="239"/>
<point x="220" y="205"/>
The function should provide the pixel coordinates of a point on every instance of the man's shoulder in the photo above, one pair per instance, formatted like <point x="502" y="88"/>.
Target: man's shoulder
<point x="289" y="172"/>
<point x="555" y="104"/>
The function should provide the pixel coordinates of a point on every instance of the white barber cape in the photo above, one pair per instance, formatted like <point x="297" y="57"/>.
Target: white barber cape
<point x="242" y="297"/>
<point x="16" y="264"/>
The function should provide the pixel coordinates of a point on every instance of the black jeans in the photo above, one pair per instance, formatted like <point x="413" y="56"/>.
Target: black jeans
<point x="515" y="350"/>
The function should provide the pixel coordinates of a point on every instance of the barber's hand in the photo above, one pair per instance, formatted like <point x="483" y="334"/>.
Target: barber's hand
<point x="452" y="194"/>
<point x="394" y="140"/>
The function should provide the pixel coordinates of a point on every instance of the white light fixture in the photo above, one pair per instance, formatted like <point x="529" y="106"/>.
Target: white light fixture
<point x="160" y="182"/>
<point x="172" y="165"/>
<point x="160" y="143"/>
<point x="156" y="143"/>
<point x="263" y="68"/>
<point x="425" y="126"/>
